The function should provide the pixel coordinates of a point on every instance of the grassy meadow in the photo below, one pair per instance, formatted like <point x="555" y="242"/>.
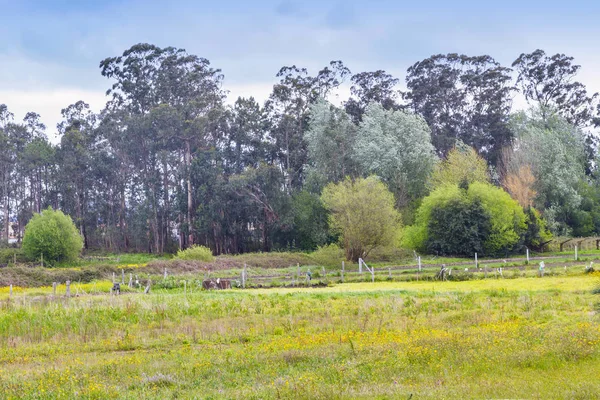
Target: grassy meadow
<point x="525" y="337"/>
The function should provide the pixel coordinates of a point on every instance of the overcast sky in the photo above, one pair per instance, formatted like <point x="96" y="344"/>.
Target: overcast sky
<point x="50" y="49"/>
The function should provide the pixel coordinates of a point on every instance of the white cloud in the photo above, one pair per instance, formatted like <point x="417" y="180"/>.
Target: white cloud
<point x="49" y="103"/>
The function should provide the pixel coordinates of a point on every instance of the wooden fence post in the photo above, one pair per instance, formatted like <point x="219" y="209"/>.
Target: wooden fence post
<point x="10" y="291"/>
<point x="244" y="277"/>
<point x="575" y="252"/>
<point x="419" y="263"/>
<point x="360" y="265"/>
<point x="114" y="278"/>
<point x="476" y="263"/>
<point x="165" y="275"/>
<point x="130" y="279"/>
<point x="371" y="269"/>
<point x="68" y="284"/>
<point x="53" y="289"/>
<point x="122" y="276"/>
<point x="147" y="290"/>
<point x="527" y="255"/>
<point x="343" y="268"/>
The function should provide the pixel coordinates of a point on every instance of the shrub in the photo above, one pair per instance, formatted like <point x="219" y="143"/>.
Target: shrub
<point x="537" y="233"/>
<point x="458" y="227"/>
<point x="329" y="256"/>
<point x="52" y="235"/>
<point x="198" y="253"/>
<point x="468" y="219"/>
<point x="8" y="255"/>
<point x="507" y="217"/>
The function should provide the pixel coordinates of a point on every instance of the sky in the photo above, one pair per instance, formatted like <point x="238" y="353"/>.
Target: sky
<point x="50" y="50"/>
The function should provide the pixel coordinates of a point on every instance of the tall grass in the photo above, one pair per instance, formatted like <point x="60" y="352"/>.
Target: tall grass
<point x="518" y="338"/>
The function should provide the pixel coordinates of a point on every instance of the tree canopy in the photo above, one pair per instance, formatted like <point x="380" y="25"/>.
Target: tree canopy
<point x="362" y="212"/>
<point x="170" y="162"/>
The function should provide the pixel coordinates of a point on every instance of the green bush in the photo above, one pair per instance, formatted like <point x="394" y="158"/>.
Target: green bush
<point x="459" y="227"/>
<point x="8" y="255"/>
<point x="198" y="253"/>
<point x="462" y="221"/>
<point x="537" y="233"/>
<point x="52" y="235"/>
<point x="329" y="256"/>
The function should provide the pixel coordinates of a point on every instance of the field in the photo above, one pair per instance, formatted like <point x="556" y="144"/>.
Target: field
<point x="525" y="337"/>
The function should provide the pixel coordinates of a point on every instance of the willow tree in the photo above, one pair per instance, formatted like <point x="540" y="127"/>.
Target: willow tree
<point x="363" y="213"/>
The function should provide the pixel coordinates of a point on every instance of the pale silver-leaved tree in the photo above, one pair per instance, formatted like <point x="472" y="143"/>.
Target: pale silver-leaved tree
<point x="396" y="146"/>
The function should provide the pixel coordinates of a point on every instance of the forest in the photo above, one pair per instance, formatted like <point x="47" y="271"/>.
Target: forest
<point x="169" y="163"/>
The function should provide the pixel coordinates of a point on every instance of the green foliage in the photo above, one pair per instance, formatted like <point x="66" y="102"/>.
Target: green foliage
<point x="507" y="217"/>
<point x="9" y="254"/>
<point x="330" y="255"/>
<point x="462" y="164"/>
<point x="416" y="235"/>
<point x="458" y="227"/>
<point x="537" y="233"/>
<point x="555" y="150"/>
<point x="487" y="215"/>
<point x="310" y="221"/>
<point x="330" y="138"/>
<point x="198" y="253"/>
<point x="362" y="211"/>
<point x="396" y="146"/>
<point x="465" y="98"/>
<point x="53" y="235"/>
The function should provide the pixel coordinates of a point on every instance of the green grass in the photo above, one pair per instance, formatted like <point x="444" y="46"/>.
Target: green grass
<point x="512" y="338"/>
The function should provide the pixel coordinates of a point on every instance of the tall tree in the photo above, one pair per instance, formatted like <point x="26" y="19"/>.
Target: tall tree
<point x="372" y="87"/>
<point x="549" y="82"/>
<point x="167" y="100"/>
<point x="396" y="145"/>
<point x="78" y="141"/>
<point x="288" y="107"/>
<point x="331" y="139"/>
<point x="555" y="151"/>
<point x="7" y="159"/>
<point x="463" y="98"/>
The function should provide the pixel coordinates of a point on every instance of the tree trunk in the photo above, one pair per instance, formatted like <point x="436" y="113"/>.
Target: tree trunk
<point x="6" y="207"/>
<point x="122" y="220"/>
<point x="190" y="207"/>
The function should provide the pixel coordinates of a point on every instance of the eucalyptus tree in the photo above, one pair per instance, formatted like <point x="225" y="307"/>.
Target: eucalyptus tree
<point x="549" y="82"/>
<point x="463" y="98"/>
<point x="288" y="107"/>
<point x="331" y="138"/>
<point x="75" y="159"/>
<point x="167" y="101"/>
<point x="7" y="155"/>
<point x="247" y="141"/>
<point x="372" y="87"/>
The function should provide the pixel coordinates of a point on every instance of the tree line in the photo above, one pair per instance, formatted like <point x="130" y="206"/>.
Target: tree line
<point x="168" y="164"/>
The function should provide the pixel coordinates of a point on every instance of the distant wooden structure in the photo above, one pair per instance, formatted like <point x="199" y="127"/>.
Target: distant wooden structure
<point x="216" y="284"/>
<point x="569" y="244"/>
